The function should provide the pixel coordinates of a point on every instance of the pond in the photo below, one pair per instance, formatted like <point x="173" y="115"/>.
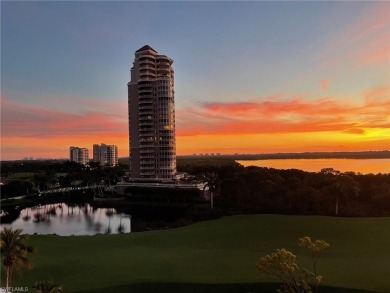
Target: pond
<point x="71" y="219"/>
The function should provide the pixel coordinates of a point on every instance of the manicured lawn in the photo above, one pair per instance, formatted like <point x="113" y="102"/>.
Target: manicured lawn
<point x="208" y="256"/>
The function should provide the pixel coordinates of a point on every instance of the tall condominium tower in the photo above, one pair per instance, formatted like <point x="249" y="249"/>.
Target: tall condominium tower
<point x="105" y="154"/>
<point x="152" y="115"/>
<point x="78" y="155"/>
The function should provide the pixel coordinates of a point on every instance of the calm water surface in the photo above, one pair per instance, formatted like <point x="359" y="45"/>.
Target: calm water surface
<point x="364" y="166"/>
<point x="65" y="219"/>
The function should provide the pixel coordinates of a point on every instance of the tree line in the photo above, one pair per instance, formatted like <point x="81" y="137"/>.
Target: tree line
<point x="26" y="178"/>
<point x="267" y="190"/>
<point x="239" y="189"/>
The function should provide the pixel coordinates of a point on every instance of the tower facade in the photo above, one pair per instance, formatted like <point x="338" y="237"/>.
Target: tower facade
<point x="152" y="116"/>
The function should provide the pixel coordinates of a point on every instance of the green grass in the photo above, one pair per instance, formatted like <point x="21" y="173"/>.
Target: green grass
<point x="212" y="256"/>
<point x="21" y="175"/>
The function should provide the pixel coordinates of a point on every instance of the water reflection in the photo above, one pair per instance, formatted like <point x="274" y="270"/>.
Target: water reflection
<point x="71" y="219"/>
<point x="364" y="166"/>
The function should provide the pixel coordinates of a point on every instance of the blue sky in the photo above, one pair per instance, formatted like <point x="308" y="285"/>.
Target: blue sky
<point x="74" y="58"/>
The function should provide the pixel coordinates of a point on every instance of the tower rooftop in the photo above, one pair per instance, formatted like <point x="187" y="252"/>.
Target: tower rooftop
<point x="146" y="48"/>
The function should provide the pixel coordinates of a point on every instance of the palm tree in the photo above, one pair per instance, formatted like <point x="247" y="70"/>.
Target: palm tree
<point x="14" y="252"/>
<point x="26" y="217"/>
<point x="109" y="214"/>
<point x="120" y="227"/>
<point x="212" y="183"/>
<point x="47" y="287"/>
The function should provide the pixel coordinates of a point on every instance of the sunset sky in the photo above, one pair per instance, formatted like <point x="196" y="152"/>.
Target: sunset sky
<point x="250" y="77"/>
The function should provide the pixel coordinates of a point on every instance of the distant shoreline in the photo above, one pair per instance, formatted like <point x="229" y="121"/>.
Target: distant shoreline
<point x="304" y="155"/>
<point x="261" y="156"/>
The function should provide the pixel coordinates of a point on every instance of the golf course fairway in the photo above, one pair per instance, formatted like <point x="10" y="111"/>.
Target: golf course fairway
<point x="212" y="256"/>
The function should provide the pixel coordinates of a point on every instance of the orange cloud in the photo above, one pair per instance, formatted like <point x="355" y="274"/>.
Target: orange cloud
<point x="58" y="147"/>
<point x="35" y="121"/>
<point x="274" y="124"/>
<point x="31" y="130"/>
<point x="283" y="142"/>
<point x="297" y="114"/>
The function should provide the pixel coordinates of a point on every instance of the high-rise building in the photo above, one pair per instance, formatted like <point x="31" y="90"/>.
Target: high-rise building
<point x="105" y="154"/>
<point x="152" y="115"/>
<point x="78" y="155"/>
<point x="96" y="153"/>
<point x="112" y="155"/>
